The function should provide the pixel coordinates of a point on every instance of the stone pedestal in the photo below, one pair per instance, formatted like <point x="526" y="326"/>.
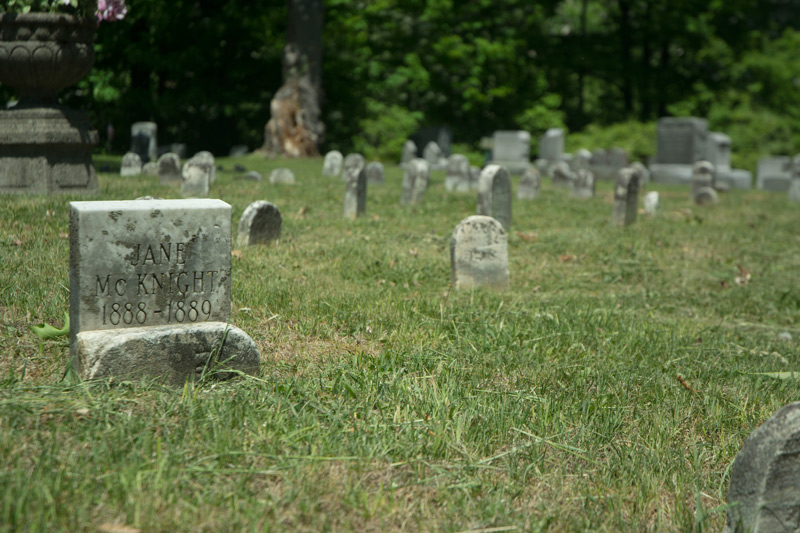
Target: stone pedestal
<point x="46" y="150"/>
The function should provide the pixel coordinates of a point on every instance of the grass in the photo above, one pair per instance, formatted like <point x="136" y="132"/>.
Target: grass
<point x="609" y="390"/>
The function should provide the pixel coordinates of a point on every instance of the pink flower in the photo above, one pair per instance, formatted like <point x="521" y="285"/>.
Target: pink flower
<point x="111" y="10"/>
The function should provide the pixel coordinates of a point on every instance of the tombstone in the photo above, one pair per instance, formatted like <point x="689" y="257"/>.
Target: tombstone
<point x="651" y="203"/>
<point x="196" y="176"/>
<point x="332" y="166"/>
<point x="375" y="174"/>
<point x="144" y="140"/>
<point x="441" y="135"/>
<point x="355" y="195"/>
<point x="582" y="159"/>
<point x="512" y="150"/>
<point x="562" y="175"/>
<point x="626" y="198"/>
<point x="409" y="152"/>
<point x="150" y="291"/>
<point x="457" y="176"/>
<point x="764" y="494"/>
<point x="774" y="173"/>
<point x="252" y="175"/>
<point x="281" y="176"/>
<point x="583" y="184"/>
<point x="131" y="165"/>
<point x="433" y="155"/>
<point x="479" y="254"/>
<point x="551" y="145"/>
<point x="474" y="177"/>
<point x="238" y="150"/>
<point x="718" y="150"/>
<point x="702" y="177"/>
<point x="169" y="168"/>
<point x="260" y="224"/>
<point x="415" y="181"/>
<point x="529" y="184"/>
<point x="207" y="158"/>
<point x="644" y="174"/>
<point x="351" y="161"/>
<point x="150" y="168"/>
<point x="494" y="195"/>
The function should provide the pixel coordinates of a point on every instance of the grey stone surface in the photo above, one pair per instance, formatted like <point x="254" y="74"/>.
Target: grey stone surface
<point x="606" y="164"/>
<point x="207" y="158"/>
<point x="582" y="159"/>
<point x="794" y="190"/>
<point x="705" y="196"/>
<point x="702" y="177"/>
<point x="432" y="153"/>
<point x="681" y="140"/>
<point x="583" y="185"/>
<point x="260" y="224"/>
<point x="457" y="173"/>
<point x="355" y="194"/>
<point x="131" y="165"/>
<point x="150" y="169"/>
<point x="196" y="176"/>
<point x="46" y="151"/>
<point x="252" y="175"/>
<point x="332" y="165"/>
<point x="173" y="354"/>
<point x="375" y="173"/>
<point x="409" y="152"/>
<point x="626" y="198"/>
<point x="479" y="254"/>
<point x="551" y="145"/>
<point x="148" y="263"/>
<point x="562" y="175"/>
<point x="169" y="168"/>
<point x="351" y="161"/>
<point x="281" y="176"/>
<point x="651" y="203"/>
<point x="774" y="173"/>
<point x="144" y="140"/>
<point x="415" y="181"/>
<point x="765" y="477"/>
<point x="644" y="174"/>
<point x="529" y="184"/>
<point x="494" y="195"/>
<point x="718" y="150"/>
<point x="512" y="150"/>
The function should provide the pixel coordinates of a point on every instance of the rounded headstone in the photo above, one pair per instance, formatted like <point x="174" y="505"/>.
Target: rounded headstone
<point x="457" y="175"/>
<point x="494" y="194"/>
<point x="375" y="173"/>
<point x="332" y="165"/>
<point x="529" y="184"/>
<point x="415" y="181"/>
<point x="196" y="176"/>
<point x="260" y="224"/>
<point x="351" y="162"/>
<point x="131" y="165"/>
<point x="281" y="175"/>
<point x="479" y="254"/>
<point x="169" y="168"/>
<point x="207" y="158"/>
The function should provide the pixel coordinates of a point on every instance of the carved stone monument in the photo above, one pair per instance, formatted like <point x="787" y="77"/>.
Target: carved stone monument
<point x="479" y="254"/>
<point x="494" y="195"/>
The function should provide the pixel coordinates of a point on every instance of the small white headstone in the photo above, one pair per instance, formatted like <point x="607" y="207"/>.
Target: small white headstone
<point x="583" y="184"/>
<point x="332" y="166"/>
<point x="260" y="224"/>
<point x="651" y="203"/>
<point x="207" y="158"/>
<point x="131" y="165"/>
<point x="415" y="181"/>
<point x="529" y="184"/>
<point x="281" y="176"/>
<point x="196" y="179"/>
<point x="433" y="155"/>
<point x="457" y="176"/>
<point x="169" y="168"/>
<point x="479" y="254"/>
<point x="375" y="174"/>
<point x="409" y="152"/>
<point x="494" y="194"/>
<point x="351" y="161"/>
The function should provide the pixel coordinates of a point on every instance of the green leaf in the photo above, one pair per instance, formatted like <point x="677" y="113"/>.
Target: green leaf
<point x="46" y="331"/>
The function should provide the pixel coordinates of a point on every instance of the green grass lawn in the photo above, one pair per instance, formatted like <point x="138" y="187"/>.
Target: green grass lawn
<point x="608" y="390"/>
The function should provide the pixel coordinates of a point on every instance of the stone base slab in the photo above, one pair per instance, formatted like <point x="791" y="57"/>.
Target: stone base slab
<point x="172" y="353"/>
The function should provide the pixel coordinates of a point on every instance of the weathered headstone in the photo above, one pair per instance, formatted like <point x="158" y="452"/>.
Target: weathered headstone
<point x="562" y="175"/>
<point x="702" y="178"/>
<point x="718" y="150"/>
<point x="150" y="168"/>
<point x="355" y="194"/>
<point x="196" y="176"/>
<point x="144" y="140"/>
<point x="512" y="150"/>
<point x="651" y="203"/>
<point x="207" y="158"/>
<point x="150" y="290"/>
<point x="457" y="176"/>
<point x="529" y="184"/>
<point x="626" y="197"/>
<point x="281" y="176"/>
<point x="432" y="153"/>
<point x="494" y="195"/>
<point x="415" y="181"/>
<point x="551" y="145"/>
<point x="774" y="173"/>
<point x="351" y="161"/>
<point x="409" y="152"/>
<point x="332" y="166"/>
<point x="479" y="254"/>
<point x="252" y="175"/>
<point x="375" y="174"/>
<point x="260" y="224"/>
<point x="582" y="159"/>
<point x="644" y="174"/>
<point x="131" y="165"/>
<point x="169" y="168"/>
<point x="764" y="494"/>
<point x="583" y="185"/>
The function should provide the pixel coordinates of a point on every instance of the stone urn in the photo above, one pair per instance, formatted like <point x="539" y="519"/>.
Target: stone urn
<point x="44" y="147"/>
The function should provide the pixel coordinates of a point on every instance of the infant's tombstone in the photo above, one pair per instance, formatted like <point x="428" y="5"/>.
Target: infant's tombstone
<point x="583" y="185"/>
<point x="626" y="197"/>
<point x="457" y="174"/>
<point x="651" y="203"/>
<point x="551" y="145"/>
<point x="332" y="165"/>
<point x="703" y="183"/>
<point x="512" y="150"/>
<point x="415" y="181"/>
<point x="196" y="176"/>
<point x="144" y="140"/>
<point x="207" y="158"/>
<point x="529" y="184"/>
<point x="409" y="152"/>
<point x="375" y="174"/>
<point x="351" y="161"/>
<point x="494" y="195"/>
<point x="169" y="168"/>
<point x="281" y="176"/>
<point x="479" y="254"/>
<point x="433" y="155"/>
<point x="562" y="175"/>
<point x="150" y="290"/>
<point x="260" y="224"/>
<point x="355" y="194"/>
<point x="131" y="165"/>
<point x="764" y="494"/>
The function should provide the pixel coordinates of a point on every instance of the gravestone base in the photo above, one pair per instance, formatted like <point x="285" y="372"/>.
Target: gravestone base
<point x="735" y="178"/>
<point x="46" y="150"/>
<point x="172" y="353"/>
